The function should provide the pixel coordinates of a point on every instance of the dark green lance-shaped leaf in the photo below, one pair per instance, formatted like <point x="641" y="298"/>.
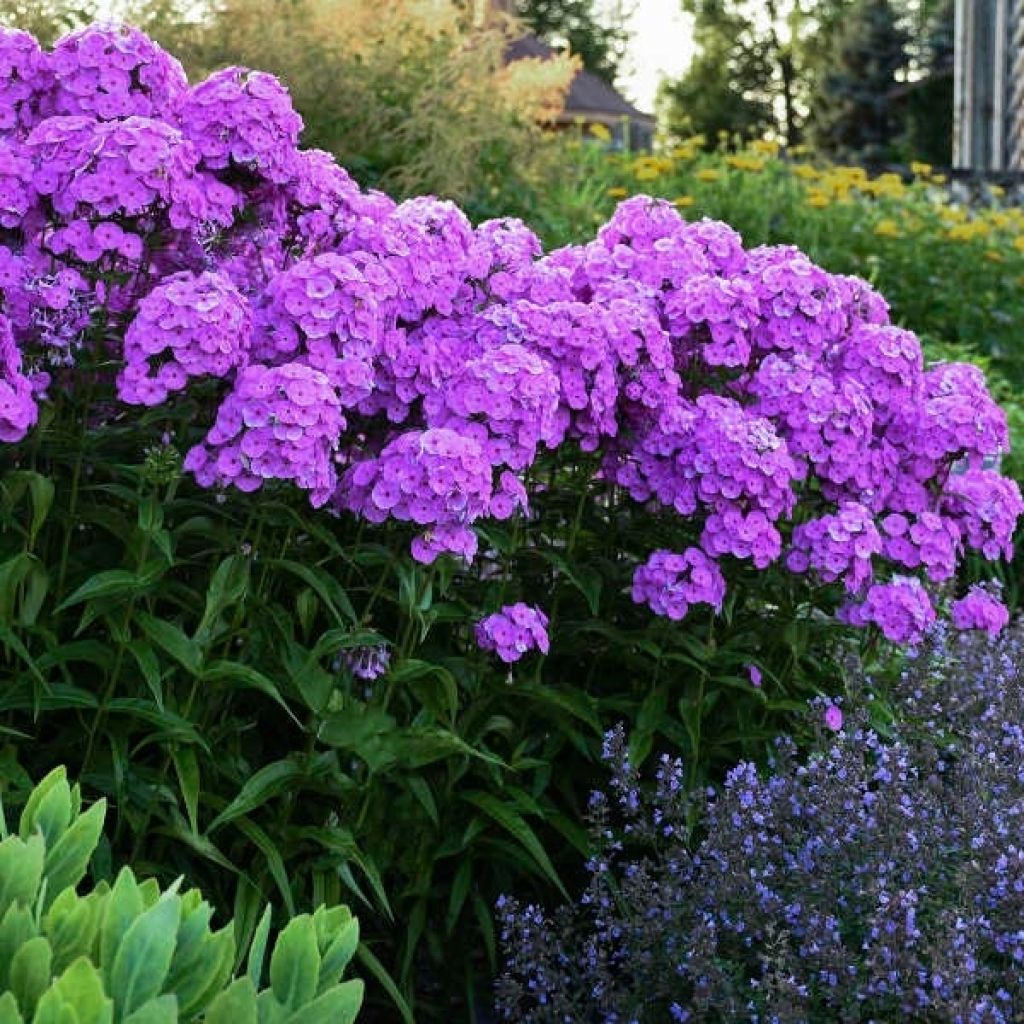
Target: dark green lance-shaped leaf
<point x="327" y="588"/>
<point x="30" y="973"/>
<point x="9" y="1013"/>
<point x="227" y="587"/>
<point x="161" y="1010"/>
<point x="246" y="677"/>
<point x="171" y="639"/>
<point x="186" y="766"/>
<point x="123" y="907"/>
<point x="21" y="868"/>
<point x="10" y="639"/>
<point x="340" y="1005"/>
<point x="513" y="823"/>
<point x="109" y="583"/>
<point x="271" y="854"/>
<point x="270" y="781"/>
<point x="295" y="964"/>
<point x="144" y="956"/>
<point x="170" y="725"/>
<point x="235" y="1005"/>
<point x="369" y="960"/>
<point x="68" y="858"/>
<point x="149" y="665"/>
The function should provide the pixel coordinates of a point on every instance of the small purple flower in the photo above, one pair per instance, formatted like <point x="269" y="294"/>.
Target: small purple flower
<point x="755" y="675"/>
<point x="833" y="718"/>
<point x="512" y="632"/>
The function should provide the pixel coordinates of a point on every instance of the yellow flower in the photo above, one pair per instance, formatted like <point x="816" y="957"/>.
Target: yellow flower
<point x="806" y="171"/>
<point x="765" y="147"/>
<point x="994" y="256"/>
<point x="601" y="131"/>
<point x="618" y="192"/>
<point x="938" y="179"/>
<point x="799" y="150"/>
<point x="696" y="140"/>
<point x="818" y="200"/>
<point x="968" y="231"/>
<point x="683" y="201"/>
<point x="919" y="169"/>
<point x="997" y="191"/>
<point x="708" y="174"/>
<point x="887" y="228"/>
<point x="745" y="162"/>
<point x="1018" y="243"/>
<point x="684" y="152"/>
<point x="646" y="173"/>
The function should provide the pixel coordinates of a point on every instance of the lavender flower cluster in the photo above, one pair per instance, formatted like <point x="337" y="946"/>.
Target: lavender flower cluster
<point x="873" y="880"/>
<point x="400" y="364"/>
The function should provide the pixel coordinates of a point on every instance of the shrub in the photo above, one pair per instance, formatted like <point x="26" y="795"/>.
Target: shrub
<point x="268" y="435"/>
<point x="131" y="952"/>
<point x="878" y="878"/>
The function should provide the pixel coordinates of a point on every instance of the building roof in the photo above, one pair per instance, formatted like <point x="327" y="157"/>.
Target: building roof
<point x="589" y="97"/>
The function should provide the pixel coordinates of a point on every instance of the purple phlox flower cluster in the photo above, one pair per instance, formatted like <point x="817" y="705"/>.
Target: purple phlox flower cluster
<point x="244" y="119"/>
<point x="190" y="325"/>
<point x="437" y="478"/>
<point x="901" y="609"/>
<point x="927" y="540"/>
<point x="17" y="196"/>
<point x="986" y="505"/>
<point x="839" y="546"/>
<point x="671" y="583"/>
<point x="25" y="80"/>
<point x="88" y="170"/>
<point x="800" y="307"/>
<point x="277" y="423"/>
<point x="887" y="362"/>
<point x="713" y="316"/>
<point x="18" y="412"/>
<point x="979" y="608"/>
<point x="826" y="421"/>
<point x="513" y="631"/>
<point x="114" y="71"/>
<point x="507" y="398"/>
<point x="743" y="392"/>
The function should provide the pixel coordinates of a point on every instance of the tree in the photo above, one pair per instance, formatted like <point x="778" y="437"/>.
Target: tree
<point x="763" y="56"/>
<point x="853" y="113"/>
<point x="599" y="42"/>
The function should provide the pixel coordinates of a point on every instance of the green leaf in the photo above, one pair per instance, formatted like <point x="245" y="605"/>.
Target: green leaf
<point x="72" y="924"/>
<point x="271" y="854"/>
<point x="386" y="982"/>
<point x="17" y="926"/>
<point x="209" y="973"/>
<point x="171" y="639"/>
<point x="79" y="988"/>
<point x="123" y="907"/>
<point x="68" y="859"/>
<point x="9" y="1010"/>
<point x="228" y="585"/>
<point x="186" y="766"/>
<point x="30" y="973"/>
<point x="295" y="964"/>
<point x="235" y="1005"/>
<point x="56" y="779"/>
<point x="340" y="1005"/>
<point x="21" y="868"/>
<point x="149" y="665"/>
<point x="161" y="1010"/>
<point x="338" y="954"/>
<point x="513" y="823"/>
<point x="326" y="586"/>
<point x="258" y="949"/>
<point x="144" y="956"/>
<point x="246" y="677"/>
<point x="109" y="583"/>
<point x="269" y="782"/>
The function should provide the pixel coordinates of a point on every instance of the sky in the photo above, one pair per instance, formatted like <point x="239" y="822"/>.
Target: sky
<point x="661" y="44"/>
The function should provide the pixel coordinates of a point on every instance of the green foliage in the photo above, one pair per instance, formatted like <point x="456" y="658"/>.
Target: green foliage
<point x="598" y="41"/>
<point x="853" y="116"/>
<point x="129" y="953"/>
